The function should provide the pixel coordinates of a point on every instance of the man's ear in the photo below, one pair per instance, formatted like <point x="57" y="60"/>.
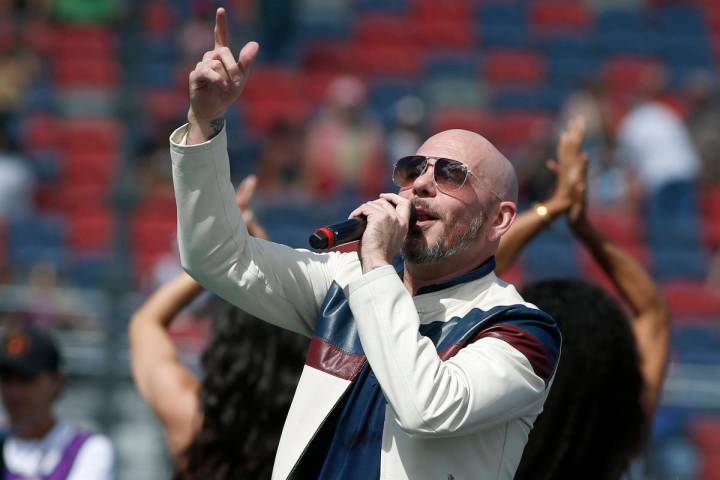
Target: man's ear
<point x="504" y="218"/>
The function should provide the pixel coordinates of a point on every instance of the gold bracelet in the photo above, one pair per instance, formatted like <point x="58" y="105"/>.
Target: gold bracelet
<point x="542" y="212"/>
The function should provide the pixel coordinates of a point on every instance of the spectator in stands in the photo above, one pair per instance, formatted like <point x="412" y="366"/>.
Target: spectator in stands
<point x="37" y="444"/>
<point x="655" y="144"/>
<point x="345" y="144"/>
<point x="226" y="426"/>
<point x="607" y="386"/>
<point x="17" y="182"/>
<point x="408" y="132"/>
<point x="607" y="179"/>
<point x="448" y="390"/>
<point x="281" y="166"/>
<point x="703" y="98"/>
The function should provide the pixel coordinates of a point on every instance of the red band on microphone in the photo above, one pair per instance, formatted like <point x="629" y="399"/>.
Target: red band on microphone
<point x="329" y="234"/>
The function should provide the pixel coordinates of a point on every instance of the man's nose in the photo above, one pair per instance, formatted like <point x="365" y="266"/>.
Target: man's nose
<point x="424" y="184"/>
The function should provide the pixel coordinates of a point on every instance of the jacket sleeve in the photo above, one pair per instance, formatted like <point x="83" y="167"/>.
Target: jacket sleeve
<point x="273" y="282"/>
<point x="485" y="384"/>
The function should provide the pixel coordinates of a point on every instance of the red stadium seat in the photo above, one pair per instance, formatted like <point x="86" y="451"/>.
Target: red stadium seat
<point x="372" y="60"/>
<point x="471" y="119"/>
<point x="273" y="83"/>
<point x="622" y="227"/>
<point x="516" y="128"/>
<point x="40" y="36"/>
<point x="710" y="215"/>
<point x="101" y="72"/>
<point x="552" y="17"/>
<point x="444" y="34"/>
<point x="705" y="433"/>
<point x="87" y="41"/>
<point x="457" y="11"/>
<point x="315" y="84"/>
<point x="75" y="199"/>
<point x="158" y="19"/>
<point x="92" y="135"/>
<point x="514" y="68"/>
<point x="327" y="57"/>
<point x="91" y="231"/>
<point x="89" y="168"/>
<point x="40" y="132"/>
<point x="693" y="299"/>
<point x="384" y="29"/>
<point x="261" y="115"/>
<point x="622" y="76"/>
<point x="152" y="236"/>
<point x="166" y="105"/>
<point x="515" y="274"/>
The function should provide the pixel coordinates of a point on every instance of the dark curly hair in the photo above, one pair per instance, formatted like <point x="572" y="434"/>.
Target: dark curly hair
<point x="251" y="371"/>
<point x="593" y="423"/>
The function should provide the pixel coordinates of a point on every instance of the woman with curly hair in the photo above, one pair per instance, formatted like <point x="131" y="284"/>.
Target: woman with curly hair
<point x="227" y="425"/>
<point x="606" y="388"/>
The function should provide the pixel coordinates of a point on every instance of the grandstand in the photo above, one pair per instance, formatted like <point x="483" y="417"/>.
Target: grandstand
<point x="110" y="84"/>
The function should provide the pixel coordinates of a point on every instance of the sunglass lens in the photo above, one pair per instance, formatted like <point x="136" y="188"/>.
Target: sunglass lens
<point x="450" y="174"/>
<point x="407" y="169"/>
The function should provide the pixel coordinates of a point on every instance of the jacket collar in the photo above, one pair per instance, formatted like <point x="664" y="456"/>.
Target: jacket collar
<point x="488" y="266"/>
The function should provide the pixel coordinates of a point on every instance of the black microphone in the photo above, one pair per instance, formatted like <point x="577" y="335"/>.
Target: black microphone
<point x="344" y="232"/>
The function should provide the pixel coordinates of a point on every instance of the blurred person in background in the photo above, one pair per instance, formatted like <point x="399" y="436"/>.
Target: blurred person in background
<point x="37" y="444"/>
<point x="408" y="133"/>
<point x="227" y="425"/>
<point x="345" y="144"/>
<point x="607" y="178"/>
<point x="655" y="144"/>
<point x="599" y="412"/>
<point x="17" y="181"/>
<point x="703" y="98"/>
<point x="281" y="165"/>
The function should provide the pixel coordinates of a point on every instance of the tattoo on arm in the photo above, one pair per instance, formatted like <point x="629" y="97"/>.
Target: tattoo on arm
<point x="217" y="125"/>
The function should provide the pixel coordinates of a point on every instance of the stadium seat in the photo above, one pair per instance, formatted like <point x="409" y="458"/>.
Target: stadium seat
<point x="693" y="299"/>
<point x="91" y="230"/>
<point x="503" y="36"/>
<point x="40" y="132"/>
<point x="551" y="260"/>
<point x="384" y="29"/>
<point x="99" y="72"/>
<point x="468" y="119"/>
<point x="89" y="41"/>
<point x="386" y="60"/>
<point x="621" y="227"/>
<point x="623" y="74"/>
<point x="558" y="17"/>
<point x="514" y="67"/>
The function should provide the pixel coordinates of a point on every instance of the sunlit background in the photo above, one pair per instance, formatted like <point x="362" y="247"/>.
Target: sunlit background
<point x="91" y="89"/>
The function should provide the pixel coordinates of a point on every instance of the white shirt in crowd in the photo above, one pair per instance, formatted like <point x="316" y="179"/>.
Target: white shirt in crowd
<point x="655" y="143"/>
<point x="35" y="458"/>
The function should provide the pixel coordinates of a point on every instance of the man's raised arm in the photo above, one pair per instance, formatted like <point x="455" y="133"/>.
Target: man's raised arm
<point x="273" y="282"/>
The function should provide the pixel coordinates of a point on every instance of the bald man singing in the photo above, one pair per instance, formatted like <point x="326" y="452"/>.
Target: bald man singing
<point x="435" y="369"/>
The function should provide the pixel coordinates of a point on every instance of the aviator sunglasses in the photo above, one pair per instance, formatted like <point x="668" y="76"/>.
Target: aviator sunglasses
<point x="449" y="175"/>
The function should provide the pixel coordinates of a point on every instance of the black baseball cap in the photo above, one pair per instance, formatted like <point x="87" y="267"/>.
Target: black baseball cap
<point x="28" y="351"/>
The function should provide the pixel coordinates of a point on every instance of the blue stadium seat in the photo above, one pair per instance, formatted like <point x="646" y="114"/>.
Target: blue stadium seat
<point x="569" y="72"/>
<point x="385" y="6"/>
<point x="502" y="14"/>
<point x="551" y="260"/>
<point x="672" y="263"/>
<point x="680" y="19"/>
<point x="87" y="271"/>
<point x="615" y="21"/>
<point x="503" y="36"/>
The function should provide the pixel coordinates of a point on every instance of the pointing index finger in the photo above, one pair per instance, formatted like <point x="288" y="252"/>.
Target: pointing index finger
<point x="221" y="28"/>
